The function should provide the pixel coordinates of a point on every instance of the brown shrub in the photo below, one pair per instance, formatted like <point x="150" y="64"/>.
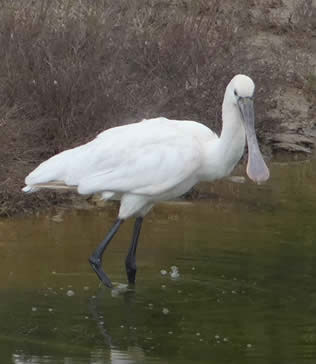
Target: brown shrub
<point x="71" y="68"/>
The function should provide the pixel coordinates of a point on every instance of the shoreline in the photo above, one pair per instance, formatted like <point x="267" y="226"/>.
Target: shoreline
<point x="222" y="191"/>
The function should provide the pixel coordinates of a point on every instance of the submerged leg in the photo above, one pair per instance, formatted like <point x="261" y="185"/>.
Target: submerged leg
<point x="96" y="258"/>
<point x="130" y="262"/>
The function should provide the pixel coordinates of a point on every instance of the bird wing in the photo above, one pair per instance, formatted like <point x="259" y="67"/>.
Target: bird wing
<point x="148" y="157"/>
<point x="150" y="169"/>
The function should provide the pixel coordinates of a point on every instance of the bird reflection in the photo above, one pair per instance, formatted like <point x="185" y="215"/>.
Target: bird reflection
<point x="133" y="353"/>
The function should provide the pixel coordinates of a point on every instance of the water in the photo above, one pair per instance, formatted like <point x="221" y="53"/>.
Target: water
<point x="245" y="291"/>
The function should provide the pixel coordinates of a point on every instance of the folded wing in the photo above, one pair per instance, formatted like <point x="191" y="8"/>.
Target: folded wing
<point x="150" y="170"/>
<point x="149" y="157"/>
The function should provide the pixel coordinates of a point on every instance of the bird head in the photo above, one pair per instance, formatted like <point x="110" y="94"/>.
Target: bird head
<point x="241" y="93"/>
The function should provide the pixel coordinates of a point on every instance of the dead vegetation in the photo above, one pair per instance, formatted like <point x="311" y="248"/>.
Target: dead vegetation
<point x="71" y="68"/>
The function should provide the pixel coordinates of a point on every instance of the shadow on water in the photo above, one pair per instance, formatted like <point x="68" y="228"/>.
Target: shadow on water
<point x="246" y="291"/>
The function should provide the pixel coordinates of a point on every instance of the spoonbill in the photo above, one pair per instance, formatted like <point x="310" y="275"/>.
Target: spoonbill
<point x="154" y="160"/>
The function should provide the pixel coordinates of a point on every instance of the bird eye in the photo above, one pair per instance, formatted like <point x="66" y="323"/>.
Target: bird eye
<point x="235" y="92"/>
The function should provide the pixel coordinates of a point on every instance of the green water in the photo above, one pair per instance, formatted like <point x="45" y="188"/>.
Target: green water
<point x="246" y="291"/>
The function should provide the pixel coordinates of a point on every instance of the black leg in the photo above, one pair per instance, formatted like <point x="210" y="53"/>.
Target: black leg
<point x="130" y="262"/>
<point x="96" y="258"/>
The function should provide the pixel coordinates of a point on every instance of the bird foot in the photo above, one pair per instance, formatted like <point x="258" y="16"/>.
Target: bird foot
<point x="131" y="274"/>
<point x="96" y="265"/>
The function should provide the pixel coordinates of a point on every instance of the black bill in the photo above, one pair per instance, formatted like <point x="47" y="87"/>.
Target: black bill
<point x="257" y="170"/>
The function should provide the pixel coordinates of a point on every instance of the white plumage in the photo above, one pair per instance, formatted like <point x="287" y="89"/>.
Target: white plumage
<point x="152" y="160"/>
<point x="157" y="159"/>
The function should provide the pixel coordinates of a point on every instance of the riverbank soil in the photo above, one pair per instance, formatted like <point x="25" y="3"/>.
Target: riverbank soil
<point x="70" y="69"/>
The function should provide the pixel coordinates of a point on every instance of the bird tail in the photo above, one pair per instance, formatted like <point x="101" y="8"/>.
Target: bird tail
<point x="30" y="189"/>
<point x="49" y="174"/>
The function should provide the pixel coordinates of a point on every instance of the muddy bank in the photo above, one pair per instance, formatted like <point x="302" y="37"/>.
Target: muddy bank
<point x="71" y="69"/>
<point x="234" y="190"/>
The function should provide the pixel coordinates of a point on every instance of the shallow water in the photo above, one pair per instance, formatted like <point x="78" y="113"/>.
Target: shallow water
<point x="246" y="292"/>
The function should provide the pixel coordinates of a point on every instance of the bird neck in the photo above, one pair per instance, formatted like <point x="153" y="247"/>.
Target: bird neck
<point x="232" y="140"/>
<point x="222" y="156"/>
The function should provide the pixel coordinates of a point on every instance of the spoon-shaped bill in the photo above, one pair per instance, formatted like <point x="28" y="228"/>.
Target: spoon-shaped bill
<point x="257" y="170"/>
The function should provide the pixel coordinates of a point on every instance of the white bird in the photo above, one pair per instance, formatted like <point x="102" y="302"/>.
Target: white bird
<point x="154" y="160"/>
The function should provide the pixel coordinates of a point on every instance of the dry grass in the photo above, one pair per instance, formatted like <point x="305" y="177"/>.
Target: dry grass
<point x="71" y="68"/>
